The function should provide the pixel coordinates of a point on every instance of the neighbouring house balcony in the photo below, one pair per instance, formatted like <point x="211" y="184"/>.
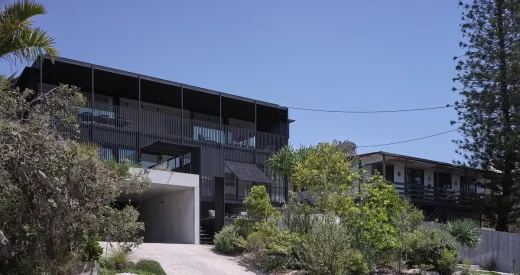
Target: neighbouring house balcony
<point x="110" y="124"/>
<point x="430" y="183"/>
<point x="421" y="194"/>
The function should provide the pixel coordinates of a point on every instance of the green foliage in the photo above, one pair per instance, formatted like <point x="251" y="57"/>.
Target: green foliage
<point x="275" y="240"/>
<point x="93" y="250"/>
<point x="328" y="250"/>
<point x="297" y="218"/>
<point x="56" y="190"/>
<point x="258" y="204"/>
<point x="466" y="232"/>
<point x="228" y="241"/>
<point x="427" y="244"/>
<point x="326" y="172"/>
<point x="466" y="267"/>
<point x="119" y="256"/>
<point x="447" y="261"/>
<point x="150" y="266"/>
<point x="492" y="263"/>
<point x="243" y="227"/>
<point x="19" y="39"/>
<point x="377" y="235"/>
<point x="487" y="80"/>
<point x="284" y="161"/>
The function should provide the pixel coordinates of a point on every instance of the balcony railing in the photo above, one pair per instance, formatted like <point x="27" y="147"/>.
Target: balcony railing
<point x="118" y="120"/>
<point x="431" y="195"/>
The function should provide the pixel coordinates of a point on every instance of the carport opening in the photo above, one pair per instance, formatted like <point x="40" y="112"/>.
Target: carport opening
<point x="168" y="213"/>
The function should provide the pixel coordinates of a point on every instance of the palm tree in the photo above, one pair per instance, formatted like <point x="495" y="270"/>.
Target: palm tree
<point x="285" y="161"/>
<point x="19" y="39"/>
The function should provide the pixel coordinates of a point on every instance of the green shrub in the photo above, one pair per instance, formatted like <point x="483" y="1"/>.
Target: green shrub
<point x="228" y="241"/>
<point x="272" y="238"/>
<point x="258" y="204"/>
<point x="92" y="250"/>
<point x="120" y="256"/>
<point x="466" y="267"/>
<point x="327" y="250"/>
<point x="491" y="265"/>
<point x="427" y="244"/>
<point x="150" y="266"/>
<point x="447" y="261"/>
<point x="466" y="232"/>
<point x="243" y="227"/>
<point x="107" y="264"/>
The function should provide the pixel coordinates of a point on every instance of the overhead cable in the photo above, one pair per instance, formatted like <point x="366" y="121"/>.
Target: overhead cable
<point x="409" y="140"/>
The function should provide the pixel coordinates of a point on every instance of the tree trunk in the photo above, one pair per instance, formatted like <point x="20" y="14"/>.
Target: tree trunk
<point x="509" y="154"/>
<point x="53" y="241"/>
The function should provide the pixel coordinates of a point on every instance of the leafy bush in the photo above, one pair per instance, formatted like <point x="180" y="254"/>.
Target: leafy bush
<point x="244" y="227"/>
<point x="93" y="250"/>
<point x="447" y="261"/>
<point x="151" y="266"/>
<point x="428" y="245"/>
<point x="258" y="204"/>
<point x="466" y="232"/>
<point x="228" y="241"/>
<point x="296" y="217"/>
<point x="272" y="238"/>
<point x="328" y="251"/>
<point x="466" y="267"/>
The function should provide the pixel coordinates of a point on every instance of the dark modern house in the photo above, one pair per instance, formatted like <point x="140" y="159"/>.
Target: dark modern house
<point x="170" y="126"/>
<point x="444" y="191"/>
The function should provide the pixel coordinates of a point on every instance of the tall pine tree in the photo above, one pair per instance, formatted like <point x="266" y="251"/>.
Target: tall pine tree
<point x="489" y="78"/>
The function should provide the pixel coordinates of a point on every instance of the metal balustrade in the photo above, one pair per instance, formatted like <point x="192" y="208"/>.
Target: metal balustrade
<point x="425" y="194"/>
<point x="110" y="124"/>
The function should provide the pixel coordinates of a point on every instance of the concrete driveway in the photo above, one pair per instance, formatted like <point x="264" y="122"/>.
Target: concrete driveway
<point x="189" y="259"/>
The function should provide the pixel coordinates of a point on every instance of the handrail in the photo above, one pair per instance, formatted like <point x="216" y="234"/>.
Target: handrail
<point x="420" y="192"/>
<point x="124" y="119"/>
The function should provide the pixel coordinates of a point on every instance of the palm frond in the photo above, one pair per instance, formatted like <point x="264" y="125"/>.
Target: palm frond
<point x="28" y="44"/>
<point x="19" y="41"/>
<point x="22" y="11"/>
<point x="282" y="162"/>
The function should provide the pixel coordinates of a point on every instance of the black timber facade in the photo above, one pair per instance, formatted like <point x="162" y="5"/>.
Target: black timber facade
<point x="162" y="124"/>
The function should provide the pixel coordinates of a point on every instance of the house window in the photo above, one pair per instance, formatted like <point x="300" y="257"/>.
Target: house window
<point x="442" y="180"/>
<point x="389" y="173"/>
<point x="415" y="176"/>
<point x="468" y="187"/>
<point x="230" y="188"/>
<point x="377" y="168"/>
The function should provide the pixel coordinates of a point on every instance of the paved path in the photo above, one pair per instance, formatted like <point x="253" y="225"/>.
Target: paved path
<point x="190" y="259"/>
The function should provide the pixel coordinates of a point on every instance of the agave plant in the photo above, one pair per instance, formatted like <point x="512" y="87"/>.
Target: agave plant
<point x="466" y="232"/>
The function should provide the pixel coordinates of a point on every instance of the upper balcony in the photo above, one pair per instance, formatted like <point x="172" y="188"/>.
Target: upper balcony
<point x="120" y="125"/>
<point x="135" y="110"/>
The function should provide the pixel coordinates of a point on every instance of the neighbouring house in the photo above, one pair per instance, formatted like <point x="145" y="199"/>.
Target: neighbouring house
<point x="204" y="149"/>
<point x="444" y="191"/>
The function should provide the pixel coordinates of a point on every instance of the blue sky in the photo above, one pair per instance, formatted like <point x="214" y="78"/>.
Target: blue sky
<point x="350" y="55"/>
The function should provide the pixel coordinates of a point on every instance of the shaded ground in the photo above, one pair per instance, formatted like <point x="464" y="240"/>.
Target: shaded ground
<point x="189" y="259"/>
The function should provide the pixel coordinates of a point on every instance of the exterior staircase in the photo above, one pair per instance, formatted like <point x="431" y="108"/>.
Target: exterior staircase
<point x="439" y="213"/>
<point x="205" y="237"/>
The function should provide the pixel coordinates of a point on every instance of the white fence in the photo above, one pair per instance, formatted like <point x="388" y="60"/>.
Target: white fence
<point x="504" y="247"/>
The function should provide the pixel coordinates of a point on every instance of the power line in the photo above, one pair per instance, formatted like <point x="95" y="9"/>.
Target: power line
<point x="409" y="140"/>
<point x="371" y="112"/>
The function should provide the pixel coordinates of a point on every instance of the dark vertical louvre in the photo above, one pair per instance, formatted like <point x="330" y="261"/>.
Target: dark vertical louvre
<point x="220" y="210"/>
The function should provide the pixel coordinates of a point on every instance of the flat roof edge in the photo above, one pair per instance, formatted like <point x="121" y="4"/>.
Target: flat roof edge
<point x="159" y="80"/>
